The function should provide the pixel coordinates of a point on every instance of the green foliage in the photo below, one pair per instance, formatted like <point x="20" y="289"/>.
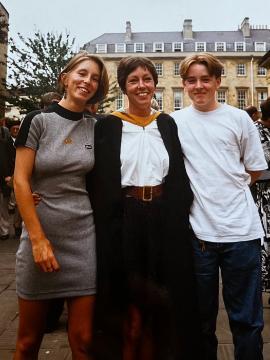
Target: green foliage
<point x="33" y="67"/>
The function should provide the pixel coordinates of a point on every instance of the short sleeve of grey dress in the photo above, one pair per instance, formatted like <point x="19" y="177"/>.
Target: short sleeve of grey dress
<point x="63" y="141"/>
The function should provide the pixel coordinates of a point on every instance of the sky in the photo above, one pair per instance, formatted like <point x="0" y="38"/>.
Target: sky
<point x="85" y="19"/>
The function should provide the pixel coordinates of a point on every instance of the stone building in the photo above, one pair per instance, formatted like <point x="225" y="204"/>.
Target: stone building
<point x="4" y="18"/>
<point x="244" y="82"/>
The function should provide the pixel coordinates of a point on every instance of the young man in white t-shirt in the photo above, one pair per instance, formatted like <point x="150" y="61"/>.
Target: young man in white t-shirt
<point x="223" y="156"/>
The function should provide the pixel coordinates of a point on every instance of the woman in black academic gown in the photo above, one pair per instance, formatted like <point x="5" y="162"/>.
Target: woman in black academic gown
<point x="142" y="199"/>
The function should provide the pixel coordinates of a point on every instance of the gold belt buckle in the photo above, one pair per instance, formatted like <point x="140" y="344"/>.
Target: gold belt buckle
<point x="147" y="193"/>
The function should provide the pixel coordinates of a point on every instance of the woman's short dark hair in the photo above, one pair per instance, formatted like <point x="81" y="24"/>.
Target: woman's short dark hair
<point x="265" y="109"/>
<point x="103" y="85"/>
<point x="129" y="64"/>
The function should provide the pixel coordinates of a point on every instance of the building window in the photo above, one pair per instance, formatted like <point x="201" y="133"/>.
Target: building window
<point x="177" y="99"/>
<point x="119" y="100"/>
<point x="223" y="71"/>
<point x="262" y="95"/>
<point x="159" y="68"/>
<point x="221" y="96"/>
<point x="177" y="46"/>
<point x="158" y="47"/>
<point x="261" y="71"/>
<point x="200" y="46"/>
<point x="120" y="48"/>
<point x="159" y="98"/>
<point x="239" y="46"/>
<point x="220" y="46"/>
<point x="241" y="69"/>
<point x="260" y="46"/>
<point x="101" y="48"/>
<point x="139" y="47"/>
<point x="176" y="69"/>
<point x="242" y="98"/>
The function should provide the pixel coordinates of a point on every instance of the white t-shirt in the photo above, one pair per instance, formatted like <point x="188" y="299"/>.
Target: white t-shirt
<point x="219" y="146"/>
<point x="144" y="158"/>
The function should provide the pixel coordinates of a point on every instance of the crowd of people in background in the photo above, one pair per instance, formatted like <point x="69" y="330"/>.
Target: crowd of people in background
<point x="130" y="217"/>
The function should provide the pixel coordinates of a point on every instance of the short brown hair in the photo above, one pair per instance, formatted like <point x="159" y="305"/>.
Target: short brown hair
<point x="49" y="98"/>
<point x="265" y="109"/>
<point x="213" y="65"/>
<point x="103" y="85"/>
<point x="251" y="110"/>
<point x="129" y="64"/>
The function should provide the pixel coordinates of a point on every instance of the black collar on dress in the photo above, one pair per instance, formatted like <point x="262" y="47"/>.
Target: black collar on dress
<point x="65" y="113"/>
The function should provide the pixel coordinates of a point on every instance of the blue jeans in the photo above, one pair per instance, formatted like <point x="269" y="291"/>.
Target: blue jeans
<point x="240" y="265"/>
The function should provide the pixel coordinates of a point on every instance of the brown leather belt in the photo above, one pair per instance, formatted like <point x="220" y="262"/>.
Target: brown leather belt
<point x="143" y="193"/>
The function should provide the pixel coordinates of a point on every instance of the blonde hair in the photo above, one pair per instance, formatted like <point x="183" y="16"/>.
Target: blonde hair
<point x="103" y="85"/>
<point x="213" y="65"/>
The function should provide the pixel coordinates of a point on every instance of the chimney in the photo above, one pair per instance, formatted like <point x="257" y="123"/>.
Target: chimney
<point x="128" y="31"/>
<point x="245" y="27"/>
<point x="187" y="29"/>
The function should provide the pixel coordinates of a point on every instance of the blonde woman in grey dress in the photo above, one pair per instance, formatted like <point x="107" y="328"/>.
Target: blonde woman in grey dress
<point x="56" y="256"/>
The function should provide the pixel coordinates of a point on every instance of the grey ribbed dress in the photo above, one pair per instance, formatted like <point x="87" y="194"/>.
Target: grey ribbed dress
<point x="64" y="145"/>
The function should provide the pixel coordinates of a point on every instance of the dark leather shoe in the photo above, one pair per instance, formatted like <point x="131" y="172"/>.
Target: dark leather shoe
<point x="4" y="237"/>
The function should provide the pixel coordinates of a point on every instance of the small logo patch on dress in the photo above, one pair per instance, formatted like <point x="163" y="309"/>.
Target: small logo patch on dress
<point x="68" y="141"/>
<point x="88" y="146"/>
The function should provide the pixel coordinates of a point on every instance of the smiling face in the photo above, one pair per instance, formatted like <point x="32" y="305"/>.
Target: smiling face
<point x="201" y="87"/>
<point x="140" y="88"/>
<point x="81" y="84"/>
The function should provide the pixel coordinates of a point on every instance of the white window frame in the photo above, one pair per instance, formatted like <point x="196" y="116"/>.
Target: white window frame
<point x="242" y="97"/>
<point x="241" y="69"/>
<point x="221" y="96"/>
<point x="159" y="68"/>
<point x="198" y="44"/>
<point x="176" y="69"/>
<point x="159" y="98"/>
<point x="120" y="47"/>
<point x="239" y="46"/>
<point x="220" y="43"/>
<point x="260" y="46"/>
<point x="138" y="45"/>
<point x="177" y="46"/>
<point x="101" y="48"/>
<point x="177" y="99"/>
<point x="158" y="46"/>
<point x="261" y="71"/>
<point x="119" y="100"/>
<point x="262" y="95"/>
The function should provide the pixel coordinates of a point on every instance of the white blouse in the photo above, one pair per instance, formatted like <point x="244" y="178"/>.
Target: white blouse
<point x="144" y="158"/>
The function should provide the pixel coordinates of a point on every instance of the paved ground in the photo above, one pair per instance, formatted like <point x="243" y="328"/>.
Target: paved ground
<point x="55" y="345"/>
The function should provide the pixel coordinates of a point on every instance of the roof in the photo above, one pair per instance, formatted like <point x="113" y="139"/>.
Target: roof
<point x="209" y="37"/>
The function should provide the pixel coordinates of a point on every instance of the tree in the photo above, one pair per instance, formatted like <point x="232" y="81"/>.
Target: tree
<point x="34" y="66"/>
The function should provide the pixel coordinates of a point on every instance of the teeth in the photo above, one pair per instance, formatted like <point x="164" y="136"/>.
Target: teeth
<point x="83" y="90"/>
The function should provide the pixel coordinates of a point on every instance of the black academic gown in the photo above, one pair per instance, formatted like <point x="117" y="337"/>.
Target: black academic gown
<point x="177" y="276"/>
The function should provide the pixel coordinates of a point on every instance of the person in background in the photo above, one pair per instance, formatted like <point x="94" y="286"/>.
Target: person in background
<point x="223" y="156"/>
<point x="56" y="256"/>
<point x="49" y="99"/>
<point x="146" y="295"/>
<point x="253" y="113"/>
<point x="261" y="191"/>
<point x="13" y="126"/>
<point x="4" y="188"/>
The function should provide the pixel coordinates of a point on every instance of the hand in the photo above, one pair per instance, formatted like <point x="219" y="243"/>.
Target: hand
<point x="44" y="256"/>
<point x="36" y="198"/>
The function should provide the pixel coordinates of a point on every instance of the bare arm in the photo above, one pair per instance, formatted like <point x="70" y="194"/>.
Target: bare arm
<point x="41" y="247"/>
<point x="254" y="176"/>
